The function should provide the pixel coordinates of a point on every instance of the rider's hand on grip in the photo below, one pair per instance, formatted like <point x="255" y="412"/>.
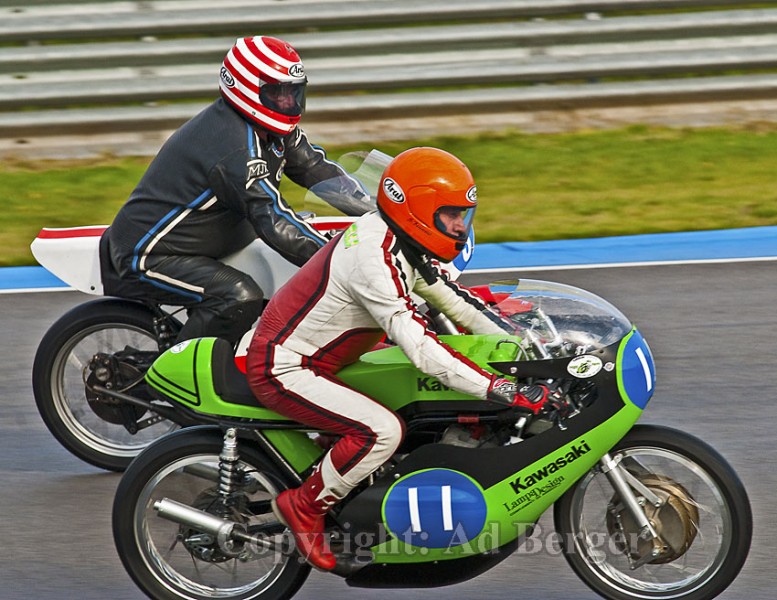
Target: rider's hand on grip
<point x="531" y="397"/>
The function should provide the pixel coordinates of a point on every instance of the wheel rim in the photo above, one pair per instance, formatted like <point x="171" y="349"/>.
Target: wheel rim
<point x="603" y="554"/>
<point x="70" y="403"/>
<point x="163" y="544"/>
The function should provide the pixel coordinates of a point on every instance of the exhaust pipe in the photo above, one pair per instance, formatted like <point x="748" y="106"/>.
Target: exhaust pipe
<point x="220" y="529"/>
<point x="229" y="531"/>
<point x="196" y="519"/>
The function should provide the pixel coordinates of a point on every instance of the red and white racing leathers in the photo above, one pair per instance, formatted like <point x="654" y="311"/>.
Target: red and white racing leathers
<point x="335" y="309"/>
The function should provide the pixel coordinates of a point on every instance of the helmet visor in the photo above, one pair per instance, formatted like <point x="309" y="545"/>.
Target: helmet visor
<point x="284" y="98"/>
<point x="454" y="221"/>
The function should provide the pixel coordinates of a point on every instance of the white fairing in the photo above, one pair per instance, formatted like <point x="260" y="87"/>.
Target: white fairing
<point x="71" y="254"/>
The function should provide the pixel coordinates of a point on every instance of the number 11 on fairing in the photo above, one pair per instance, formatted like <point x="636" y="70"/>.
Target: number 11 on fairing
<point x="415" y="516"/>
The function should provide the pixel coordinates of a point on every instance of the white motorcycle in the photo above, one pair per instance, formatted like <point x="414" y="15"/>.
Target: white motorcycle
<point x="108" y="343"/>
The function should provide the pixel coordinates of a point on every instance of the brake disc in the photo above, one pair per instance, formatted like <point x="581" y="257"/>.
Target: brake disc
<point x="676" y="522"/>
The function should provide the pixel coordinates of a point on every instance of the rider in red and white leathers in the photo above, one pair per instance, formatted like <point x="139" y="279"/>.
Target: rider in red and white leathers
<point x="335" y="309"/>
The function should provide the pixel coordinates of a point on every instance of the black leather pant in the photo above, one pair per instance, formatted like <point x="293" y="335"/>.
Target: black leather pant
<point x="220" y="300"/>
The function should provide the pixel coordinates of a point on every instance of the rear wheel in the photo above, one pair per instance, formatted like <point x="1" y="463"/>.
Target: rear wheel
<point x="170" y="561"/>
<point x="703" y="521"/>
<point x="94" y="429"/>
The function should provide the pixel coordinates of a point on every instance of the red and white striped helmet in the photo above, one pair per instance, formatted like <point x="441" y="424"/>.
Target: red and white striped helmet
<point x="263" y="79"/>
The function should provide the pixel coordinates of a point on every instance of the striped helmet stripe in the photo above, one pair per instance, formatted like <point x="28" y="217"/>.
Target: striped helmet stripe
<point x="253" y="68"/>
<point x="266" y="51"/>
<point x="246" y="81"/>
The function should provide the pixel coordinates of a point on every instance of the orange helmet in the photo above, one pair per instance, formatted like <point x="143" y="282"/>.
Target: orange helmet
<point x="429" y="196"/>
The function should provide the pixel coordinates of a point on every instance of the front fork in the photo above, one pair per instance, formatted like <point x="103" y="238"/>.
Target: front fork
<point x="635" y="495"/>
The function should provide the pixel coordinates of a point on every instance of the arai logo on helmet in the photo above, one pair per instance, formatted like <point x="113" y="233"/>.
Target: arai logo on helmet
<point x="296" y="70"/>
<point x="393" y="191"/>
<point x="227" y="78"/>
<point x="472" y="194"/>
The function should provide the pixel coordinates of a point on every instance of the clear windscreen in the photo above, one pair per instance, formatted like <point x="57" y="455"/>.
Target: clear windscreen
<point x="558" y="320"/>
<point x="336" y="196"/>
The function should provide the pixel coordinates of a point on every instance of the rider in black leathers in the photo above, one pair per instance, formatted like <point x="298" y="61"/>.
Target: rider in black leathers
<point x="214" y="186"/>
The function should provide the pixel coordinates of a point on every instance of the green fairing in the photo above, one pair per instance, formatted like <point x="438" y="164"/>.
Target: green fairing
<point x="511" y="511"/>
<point x="516" y="503"/>
<point x="183" y="373"/>
<point x="295" y="446"/>
<point x="389" y="377"/>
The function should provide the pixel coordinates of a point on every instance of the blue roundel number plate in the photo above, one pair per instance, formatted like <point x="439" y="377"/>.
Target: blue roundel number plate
<point x="437" y="508"/>
<point x="638" y="371"/>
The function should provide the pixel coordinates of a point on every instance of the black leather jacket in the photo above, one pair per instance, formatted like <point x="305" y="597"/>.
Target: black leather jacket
<point x="214" y="185"/>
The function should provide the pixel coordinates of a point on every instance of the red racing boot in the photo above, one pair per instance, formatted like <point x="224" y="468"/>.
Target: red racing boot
<point x="303" y="513"/>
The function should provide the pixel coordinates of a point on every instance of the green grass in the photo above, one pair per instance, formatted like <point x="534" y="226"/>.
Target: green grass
<point x="531" y="187"/>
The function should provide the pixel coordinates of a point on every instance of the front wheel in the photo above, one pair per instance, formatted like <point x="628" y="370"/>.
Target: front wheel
<point x="703" y="521"/>
<point x="92" y="428"/>
<point x="172" y="561"/>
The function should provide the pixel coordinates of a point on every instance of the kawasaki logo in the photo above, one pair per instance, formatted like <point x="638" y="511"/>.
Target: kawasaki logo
<point x="575" y="452"/>
<point x="430" y="384"/>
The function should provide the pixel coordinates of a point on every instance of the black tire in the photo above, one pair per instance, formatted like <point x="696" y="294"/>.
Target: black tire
<point x="101" y="325"/>
<point x="721" y="517"/>
<point x="154" y="550"/>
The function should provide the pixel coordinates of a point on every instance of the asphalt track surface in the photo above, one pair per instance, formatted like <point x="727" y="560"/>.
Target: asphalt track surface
<point x="712" y="329"/>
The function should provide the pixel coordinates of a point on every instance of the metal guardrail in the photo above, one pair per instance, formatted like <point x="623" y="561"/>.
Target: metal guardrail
<point x="502" y="58"/>
<point x="163" y="17"/>
<point x="491" y="101"/>
<point x="359" y="74"/>
<point x="150" y="51"/>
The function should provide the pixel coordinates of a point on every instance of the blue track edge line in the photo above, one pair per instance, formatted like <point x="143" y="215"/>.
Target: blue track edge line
<point x="29" y="278"/>
<point x="725" y="244"/>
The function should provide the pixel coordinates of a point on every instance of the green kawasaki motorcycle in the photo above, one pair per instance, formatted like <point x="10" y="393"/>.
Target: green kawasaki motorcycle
<point x="640" y="511"/>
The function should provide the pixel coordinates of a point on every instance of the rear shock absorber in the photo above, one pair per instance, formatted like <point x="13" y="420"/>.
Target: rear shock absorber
<point x="228" y="459"/>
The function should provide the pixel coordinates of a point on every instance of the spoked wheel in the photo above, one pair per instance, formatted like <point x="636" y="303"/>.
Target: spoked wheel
<point x="172" y="561"/>
<point x="90" y="427"/>
<point x="695" y="503"/>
